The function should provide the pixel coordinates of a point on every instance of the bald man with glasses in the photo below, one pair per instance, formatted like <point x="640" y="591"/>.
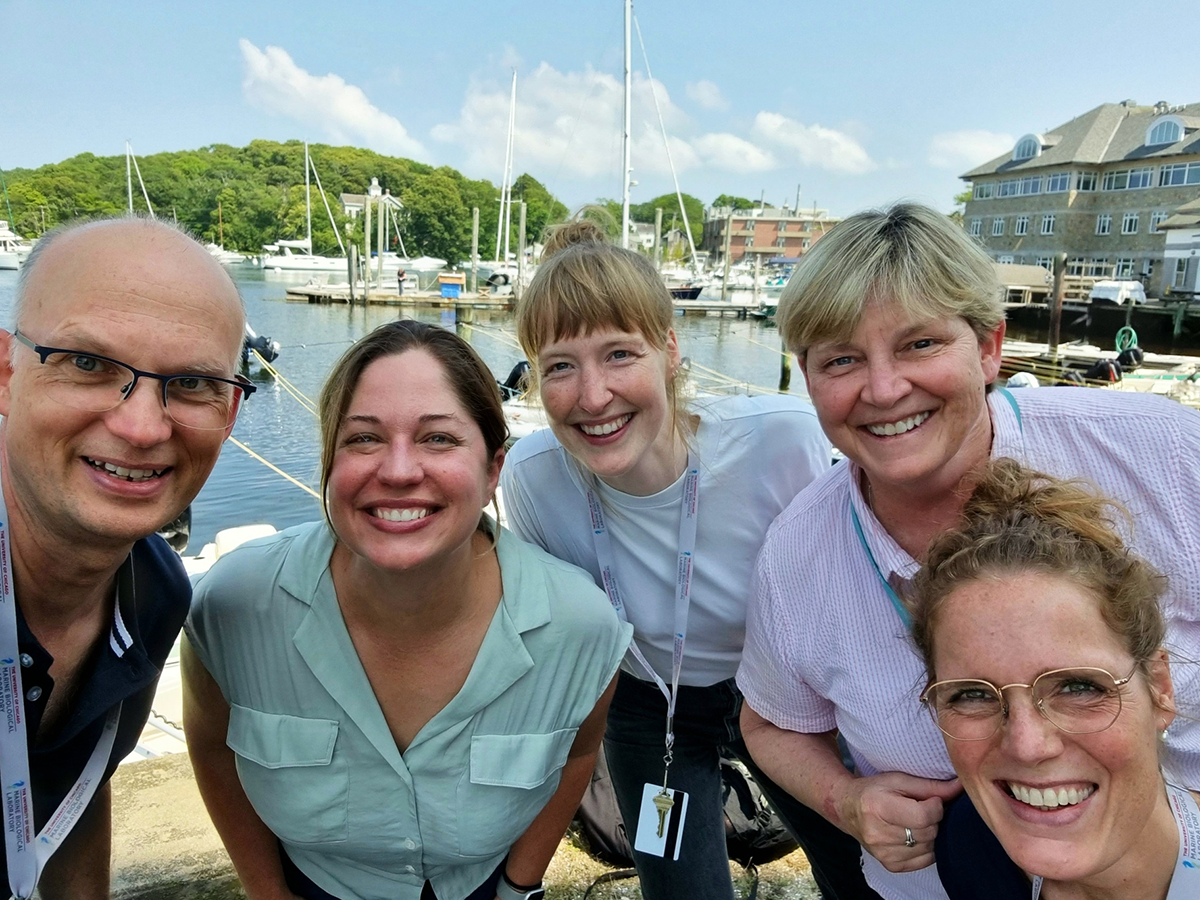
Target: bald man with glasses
<point x="119" y="389"/>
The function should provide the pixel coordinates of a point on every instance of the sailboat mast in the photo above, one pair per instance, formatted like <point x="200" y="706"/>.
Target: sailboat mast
<point x="129" y="176"/>
<point x="504" y="186"/>
<point x="512" y="127"/>
<point x="307" y="198"/>
<point x="625" y="168"/>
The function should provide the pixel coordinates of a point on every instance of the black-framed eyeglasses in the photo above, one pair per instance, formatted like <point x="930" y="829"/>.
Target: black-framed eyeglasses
<point x="94" y="383"/>
<point x="1080" y="700"/>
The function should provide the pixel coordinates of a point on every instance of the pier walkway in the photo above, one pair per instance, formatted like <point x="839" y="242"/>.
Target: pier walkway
<point x="340" y="293"/>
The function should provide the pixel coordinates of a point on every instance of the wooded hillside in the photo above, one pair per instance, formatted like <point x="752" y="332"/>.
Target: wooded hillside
<point x="260" y="191"/>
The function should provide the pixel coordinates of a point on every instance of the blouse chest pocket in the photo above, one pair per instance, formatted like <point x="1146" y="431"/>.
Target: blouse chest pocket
<point x="510" y="779"/>
<point x="289" y="772"/>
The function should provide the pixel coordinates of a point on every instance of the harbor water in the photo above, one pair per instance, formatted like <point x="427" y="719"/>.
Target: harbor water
<point x="280" y="429"/>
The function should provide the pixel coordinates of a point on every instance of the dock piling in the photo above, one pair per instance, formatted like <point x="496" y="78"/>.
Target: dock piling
<point x="474" y="249"/>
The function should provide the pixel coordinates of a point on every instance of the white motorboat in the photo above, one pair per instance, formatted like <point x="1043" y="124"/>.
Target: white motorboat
<point x="280" y="255"/>
<point x="223" y="256"/>
<point x="13" y="247"/>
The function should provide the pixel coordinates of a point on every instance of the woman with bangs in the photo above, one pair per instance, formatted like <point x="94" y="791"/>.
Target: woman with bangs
<point x="666" y="505"/>
<point x="897" y="320"/>
<point x="1043" y="642"/>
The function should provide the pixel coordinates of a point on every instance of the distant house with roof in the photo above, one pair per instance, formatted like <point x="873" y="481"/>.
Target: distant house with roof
<point x="1182" y="251"/>
<point x="767" y="232"/>
<point x="1098" y="188"/>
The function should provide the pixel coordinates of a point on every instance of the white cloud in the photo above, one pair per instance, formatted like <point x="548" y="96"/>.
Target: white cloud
<point x="569" y="124"/>
<point x="275" y="84"/>
<point x="961" y="150"/>
<point x="735" y="154"/>
<point x="707" y="95"/>
<point x="814" y="145"/>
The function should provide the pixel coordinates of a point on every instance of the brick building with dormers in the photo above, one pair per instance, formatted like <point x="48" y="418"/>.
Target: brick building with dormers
<point x="1096" y="188"/>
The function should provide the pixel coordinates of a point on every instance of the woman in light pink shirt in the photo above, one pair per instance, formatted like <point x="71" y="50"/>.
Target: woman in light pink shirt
<point x="897" y="320"/>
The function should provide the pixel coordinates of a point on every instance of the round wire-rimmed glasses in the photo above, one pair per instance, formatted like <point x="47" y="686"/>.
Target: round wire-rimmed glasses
<point x="94" y="383"/>
<point x="1079" y="700"/>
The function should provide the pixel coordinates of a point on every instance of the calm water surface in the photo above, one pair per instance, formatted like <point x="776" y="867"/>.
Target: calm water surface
<point x="275" y="425"/>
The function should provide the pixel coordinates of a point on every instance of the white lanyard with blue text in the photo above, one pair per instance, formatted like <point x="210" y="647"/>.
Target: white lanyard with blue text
<point x="1185" y="882"/>
<point x="683" y="582"/>
<point x="26" y="855"/>
<point x="897" y="603"/>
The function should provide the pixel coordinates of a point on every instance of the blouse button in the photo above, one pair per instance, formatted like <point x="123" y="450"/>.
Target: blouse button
<point x="26" y="660"/>
<point x="33" y="693"/>
<point x="410" y="844"/>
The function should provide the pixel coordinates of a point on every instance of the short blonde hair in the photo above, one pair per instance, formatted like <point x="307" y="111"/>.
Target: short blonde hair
<point x="907" y="254"/>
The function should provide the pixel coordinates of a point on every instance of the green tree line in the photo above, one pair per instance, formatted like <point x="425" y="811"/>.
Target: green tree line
<point x="254" y="195"/>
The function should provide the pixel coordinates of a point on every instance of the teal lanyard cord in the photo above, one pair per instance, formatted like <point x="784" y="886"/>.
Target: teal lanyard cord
<point x="897" y="603"/>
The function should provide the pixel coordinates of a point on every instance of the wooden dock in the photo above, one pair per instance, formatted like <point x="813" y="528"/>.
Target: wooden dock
<point x="340" y="293"/>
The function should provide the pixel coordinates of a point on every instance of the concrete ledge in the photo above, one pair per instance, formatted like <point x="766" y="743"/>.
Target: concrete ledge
<point x="164" y="845"/>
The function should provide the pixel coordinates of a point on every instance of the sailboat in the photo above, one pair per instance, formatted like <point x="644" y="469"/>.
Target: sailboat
<point x="280" y="255"/>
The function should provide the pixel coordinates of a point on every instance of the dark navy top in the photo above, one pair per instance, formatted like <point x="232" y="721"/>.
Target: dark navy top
<point x="154" y="593"/>
<point x="970" y="860"/>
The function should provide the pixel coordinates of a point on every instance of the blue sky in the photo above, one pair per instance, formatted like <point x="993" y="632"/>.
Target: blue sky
<point x="858" y="103"/>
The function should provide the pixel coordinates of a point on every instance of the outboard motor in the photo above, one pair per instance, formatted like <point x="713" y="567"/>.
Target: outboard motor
<point x="517" y="381"/>
<point x="267" y="348"/>
<point x="1104" y="370"/>
<point x="178" y="532"/>
<point x="1131" y="358"/>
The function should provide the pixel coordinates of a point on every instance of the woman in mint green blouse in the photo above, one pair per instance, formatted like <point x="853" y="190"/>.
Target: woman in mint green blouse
<point x="401" y="700"/>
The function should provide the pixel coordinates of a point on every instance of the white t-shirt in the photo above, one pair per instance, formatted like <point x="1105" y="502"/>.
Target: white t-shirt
<point x="755" y="454"/>
<point x="826" y="649"/>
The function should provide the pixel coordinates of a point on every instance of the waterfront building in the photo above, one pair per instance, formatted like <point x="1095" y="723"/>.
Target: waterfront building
<point x="767" y="232"/>
<point x="1097" y="188"/>
<point x="1182" y="252"/>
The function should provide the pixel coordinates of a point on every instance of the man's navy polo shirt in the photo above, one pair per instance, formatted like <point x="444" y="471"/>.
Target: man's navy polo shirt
<point x="154" y="593"/>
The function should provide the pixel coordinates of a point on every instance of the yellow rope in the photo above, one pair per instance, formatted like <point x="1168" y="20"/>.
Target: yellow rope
<point x="287" y="385"/>
<point x="500" y="334"/>
<point x="273" y="467"/>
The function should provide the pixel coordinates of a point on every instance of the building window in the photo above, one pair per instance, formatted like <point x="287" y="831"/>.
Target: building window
<point x="1156" y="219"/>
<point x="1028" y="147"/>
<point x="1124" y="267"/>
<point x="1085" y="181"/>
<point x="983" y="191"/>
<point x="976" y="228"/>
<point x="1058" y="182"/>
<point x="1179" y="173"/>
<point x="781" y="241"/>
<point x="1104" y="224"/>
<point x="1180" y="273"/>
<point x="997" y="226"/>
<point x="750" y="240"/>
<point x="1031" y="185"/>
<point x="805" y="243"/>
<point x="1021" y="226"/>
<point x="782" y="227"/>
<point x="1046" y="262"/>
<point x="1010" y="187"/>
<point x="1165" y="131"/>
<point x="1128" y="179"/>
<point x="1005" y="259"/>
<point x="1076" y="265"/>
<point x="1141" y="178"/>
<point x="1129" y="223"/>
<point x="1048" y="224"/>
<point x="1098" y="267"/>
